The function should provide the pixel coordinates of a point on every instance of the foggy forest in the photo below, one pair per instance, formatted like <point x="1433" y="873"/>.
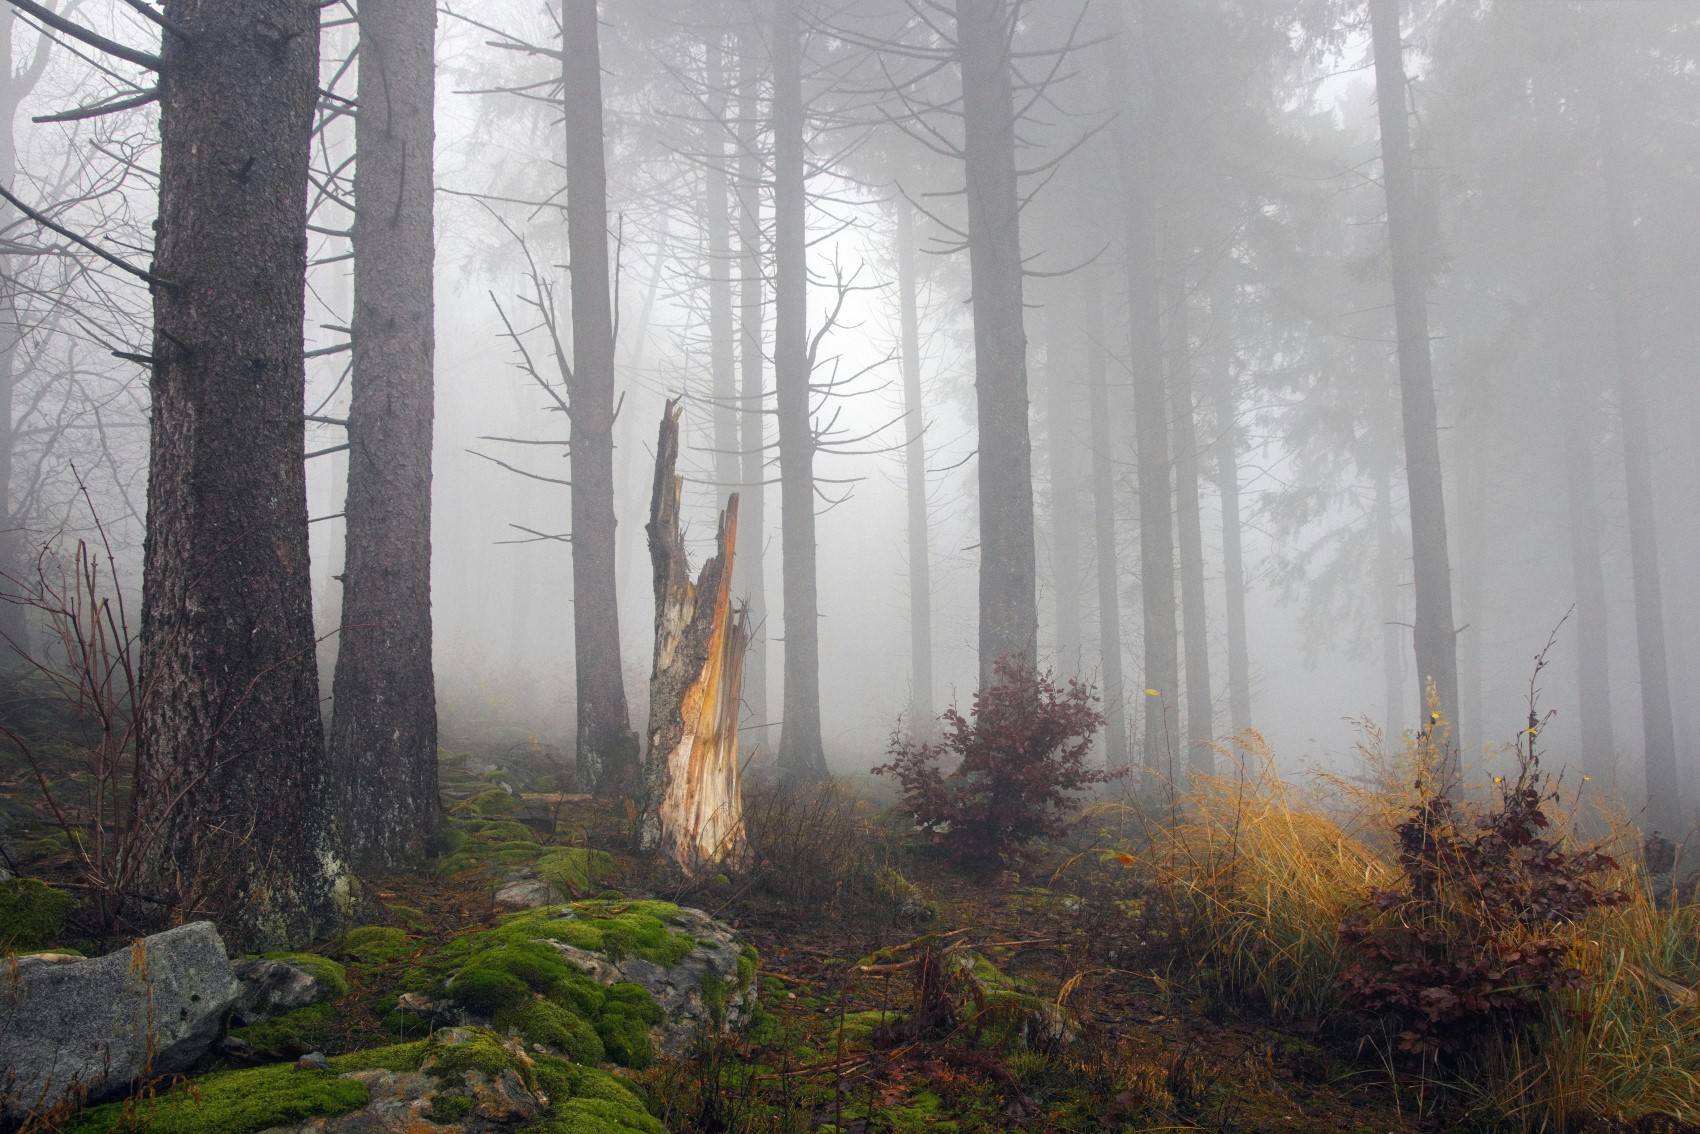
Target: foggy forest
<point x="867" y="566"/>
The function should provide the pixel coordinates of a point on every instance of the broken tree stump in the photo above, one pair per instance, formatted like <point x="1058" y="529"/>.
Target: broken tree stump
<point x="692" y="808"/>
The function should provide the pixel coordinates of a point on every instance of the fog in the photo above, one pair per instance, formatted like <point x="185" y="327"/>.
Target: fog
<point x="1555" y="148"/>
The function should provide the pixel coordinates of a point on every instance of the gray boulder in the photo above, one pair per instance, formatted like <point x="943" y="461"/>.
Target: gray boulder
<point x="73" y="1029"/>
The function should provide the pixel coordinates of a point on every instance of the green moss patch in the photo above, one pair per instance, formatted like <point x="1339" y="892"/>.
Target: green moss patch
<point x="585" y="1100"/>
<point x="545" y="1022"/>
<point x="32" y="914"/>
<point x="575" y="870"/>
<point x="233" y="1102"/>
<point x="376" y="945"/>
<point x="292" y="1033"/>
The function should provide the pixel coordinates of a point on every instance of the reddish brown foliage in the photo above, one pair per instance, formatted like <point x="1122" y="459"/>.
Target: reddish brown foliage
<point x="1020" y="760"/>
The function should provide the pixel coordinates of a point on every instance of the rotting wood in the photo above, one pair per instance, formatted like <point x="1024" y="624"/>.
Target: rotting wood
<point x="693" y="800"/>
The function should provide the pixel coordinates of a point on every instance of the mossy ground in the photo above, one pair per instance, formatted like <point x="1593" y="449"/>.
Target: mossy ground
<point x="32" y="914"/>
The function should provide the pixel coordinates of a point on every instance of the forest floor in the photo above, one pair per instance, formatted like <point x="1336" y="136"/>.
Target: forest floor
<point x="1054" y="1003"/>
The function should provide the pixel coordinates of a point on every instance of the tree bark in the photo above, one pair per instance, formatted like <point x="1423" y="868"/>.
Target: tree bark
<point x="801" y="752"/>
<point x="1391" y="605"/>
<point x="750" y="578"/>
<point x="1228" y="485"/>
<point x="1104" y="526"/>
<point x="1189" y="523"/>
<point x="1436" y="646"/>
<point x="921" y="705"/>
<point x="607" y="756"/>
<point x="1664" y="804"/>
<point x="1140" y="121"/>
<point x="693" y="803"/>
<point x="384" y="723"/>
<point x="231" y="788"/>
<point x="722" y="338"/>
<point x="1009" y="614"/>
<point x="1064" y="486"/>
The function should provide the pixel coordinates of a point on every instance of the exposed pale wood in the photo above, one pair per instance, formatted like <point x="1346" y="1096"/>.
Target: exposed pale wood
<point x="693" y="801"/>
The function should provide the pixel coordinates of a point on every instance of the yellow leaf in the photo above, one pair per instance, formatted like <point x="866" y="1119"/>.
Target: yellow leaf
<point x="1152" y="693"/>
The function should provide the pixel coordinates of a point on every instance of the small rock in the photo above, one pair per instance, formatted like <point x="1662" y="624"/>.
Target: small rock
<point x="525" y="894"/>
<point x="271" y="987"/>
<point x="239" y="1049"/>
<point x="313" y="1061"/>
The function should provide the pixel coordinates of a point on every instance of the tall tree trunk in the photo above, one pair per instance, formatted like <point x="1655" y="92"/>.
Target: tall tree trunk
<point x="1140" y="122"/>
<point x="607" y="761"/>
<point x="921" y="711"/>
<point x="14" y="622"/>
<point x="1436" y="646"/>
<point x="750" y="573"/>
<point x="1593" y="649"/>
<point x="1664" y="805"/>
<point x="1228" y="484"/>
<point x="231" y="786"/>
<point x="722" y="338"/>
<point x="1189" y="523"/>
<point x="384" y="723"/>
<point x="1009" y="612"/>
<point x="1471" y="455"/>
<point x="801" y="753"/>
<point x="1064" y="491"/>
<point x="1391" y="605"/>
<point x="1104" y="524"/>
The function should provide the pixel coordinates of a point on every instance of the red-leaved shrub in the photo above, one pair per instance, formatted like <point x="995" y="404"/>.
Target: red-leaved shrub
<point x="1019" y="758"/>
<point x="1470" y="948"/>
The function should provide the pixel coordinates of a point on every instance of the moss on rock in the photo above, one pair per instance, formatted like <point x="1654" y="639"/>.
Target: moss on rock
<point x="32" y="914"/>
<point x="545" y="1022"/>
<point x="376" y="944"/>
<point x="232" y="1102"/>
<point x="297" y="1031"/>
<point x="575" y="870"/>
<point x="332" y="977"/>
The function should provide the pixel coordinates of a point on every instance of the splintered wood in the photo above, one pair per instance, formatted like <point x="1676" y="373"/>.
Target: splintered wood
<point x="693" y="803"/>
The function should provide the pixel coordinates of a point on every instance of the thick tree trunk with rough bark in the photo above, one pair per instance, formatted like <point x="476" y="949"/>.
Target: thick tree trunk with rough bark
<point x="692" y="801"/>
<point x="801" y="752"/>
<point x="231" y="793"/>
<point x="1140" y="121"/>
<point x="1664" y="805"/>
<point x="384" y="722"/>
<point x="1009" y="613"/>
<point x="921" y="713"/>
<point x="1104" y="525"/>
<point x="607" y="760"/>
<point x="750" y="577"/>
<point x="1436" y="645"/>
<point x="1189" y="524"/>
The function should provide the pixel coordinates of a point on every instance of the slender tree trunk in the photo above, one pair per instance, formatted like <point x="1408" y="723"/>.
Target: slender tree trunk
<point x="1392" y="607"/>
<point x="921" y="710"/>
<point x="1104" y="524"/>
<point x="1140" y="122"/>
<point x="1061" y="443"/>
<point x="801" y="753"/>
<point x="384" y="723"/>
<point x="1664" y="805"/>
<point x="1009" y="613"/>
<point x="749" y="570"/>
<point x="1436" y="646"/>
<point x="722" y="338"/>
<point x="231" y="785"/>
<point x="1228" y="484"/>
<point x="1593" y="650"/>
<point x="1189" y="523"/>
<point x="607" y="747"/>
<point x="1473" y="477"/>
